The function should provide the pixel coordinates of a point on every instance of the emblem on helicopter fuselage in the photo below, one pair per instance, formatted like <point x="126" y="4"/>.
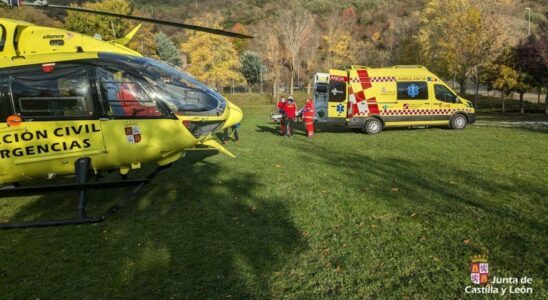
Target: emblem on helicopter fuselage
<point x="133" y="134"/>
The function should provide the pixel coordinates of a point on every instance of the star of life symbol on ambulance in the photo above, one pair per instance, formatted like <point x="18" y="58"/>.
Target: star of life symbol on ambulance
<point x="479" y="270"/>
<point x="133" y="134"/>
<point x="413" y="90"/>
<point x="334" y="91"/>
<point x="340" y="108"/>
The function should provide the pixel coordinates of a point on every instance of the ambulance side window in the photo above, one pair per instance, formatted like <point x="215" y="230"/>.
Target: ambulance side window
<point x="337" y="91"/>
<point x="59" y="92"/>
<point x="444" y="94"/>
<point x="413" y="90"/>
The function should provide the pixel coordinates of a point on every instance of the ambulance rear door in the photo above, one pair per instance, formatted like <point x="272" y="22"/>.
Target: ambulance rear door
<point x="338" y="96"/>
<point x="320" y="101"/>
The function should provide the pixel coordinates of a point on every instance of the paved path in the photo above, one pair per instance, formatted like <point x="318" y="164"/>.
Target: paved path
<point x="525" y="124"/>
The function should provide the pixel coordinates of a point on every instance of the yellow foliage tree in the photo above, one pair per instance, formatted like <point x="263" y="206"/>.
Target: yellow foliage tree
<point x="143" y="42"/>
<point x="29" y="14"/>
<point x="457" y="37"/>
<point x="111" y="28"/>
<point x="213" y="59"/>
<point x="108" y="27"/>
<point x="339" y="50"/>
<point x="340" y="45"/>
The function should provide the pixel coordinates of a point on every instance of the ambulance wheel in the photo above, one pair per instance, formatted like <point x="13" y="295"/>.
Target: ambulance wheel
<point x="458" y="122"/>
<point x="372" y="126"/>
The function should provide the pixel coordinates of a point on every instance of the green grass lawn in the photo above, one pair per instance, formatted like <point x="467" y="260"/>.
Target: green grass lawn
<point x="344" y="214"/>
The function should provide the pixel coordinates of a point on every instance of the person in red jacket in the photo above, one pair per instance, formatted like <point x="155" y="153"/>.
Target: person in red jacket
<point x="308" y="117"/>
<point x="281" y="104"/>
<point x="290" y="109"/>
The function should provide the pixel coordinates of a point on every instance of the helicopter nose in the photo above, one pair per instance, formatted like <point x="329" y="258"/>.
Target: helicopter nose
<point x="235" y="115"/>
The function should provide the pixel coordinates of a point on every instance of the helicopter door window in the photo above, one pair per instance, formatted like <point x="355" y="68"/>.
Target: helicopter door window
<point x="64" y="93"/>
<point x="2" y="37"/>
<point x="5" y="103"/>
<point x="125" y="96"/>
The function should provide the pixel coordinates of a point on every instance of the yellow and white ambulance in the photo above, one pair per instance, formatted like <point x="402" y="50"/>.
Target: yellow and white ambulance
<point x="401" y="96"/>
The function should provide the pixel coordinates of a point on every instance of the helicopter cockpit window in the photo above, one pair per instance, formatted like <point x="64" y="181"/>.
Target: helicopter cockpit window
<point x="183" y="94"/>
<point x="63" y="93"/>
<point x="124" y="95"/>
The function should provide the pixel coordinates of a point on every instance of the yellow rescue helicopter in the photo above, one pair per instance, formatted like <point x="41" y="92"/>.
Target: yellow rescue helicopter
<point x="72" y="104"/>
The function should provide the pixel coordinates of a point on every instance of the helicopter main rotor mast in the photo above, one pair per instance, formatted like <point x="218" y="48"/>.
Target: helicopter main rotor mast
<point x="43" y="4"/>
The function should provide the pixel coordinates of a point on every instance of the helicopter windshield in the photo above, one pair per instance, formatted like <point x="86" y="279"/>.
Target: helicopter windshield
<point x="182" y="93"/>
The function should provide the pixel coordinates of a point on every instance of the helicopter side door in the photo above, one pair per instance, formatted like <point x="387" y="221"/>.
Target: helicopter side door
<point x="137" y="128"/>
<point x="59" y="115"/>
<point x="6" y="110"/>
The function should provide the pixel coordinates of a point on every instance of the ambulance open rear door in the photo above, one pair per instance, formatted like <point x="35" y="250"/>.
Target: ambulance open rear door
<point x="337" y="96"/>
<point x="321" y="94"/>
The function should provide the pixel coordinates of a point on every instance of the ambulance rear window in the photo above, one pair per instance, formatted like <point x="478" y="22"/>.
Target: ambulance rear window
<point x="413" y="90"/>
<point x="321" y="88"/>
<point x="337" y="91"/>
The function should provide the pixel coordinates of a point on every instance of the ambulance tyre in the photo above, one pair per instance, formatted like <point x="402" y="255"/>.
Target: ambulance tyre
<point x="458" y="122"/>
<point x="372" y="126"/>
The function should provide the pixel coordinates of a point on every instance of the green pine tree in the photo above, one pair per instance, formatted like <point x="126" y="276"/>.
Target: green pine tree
<point x="250" y="67"/>
<point x="166" y="49"/>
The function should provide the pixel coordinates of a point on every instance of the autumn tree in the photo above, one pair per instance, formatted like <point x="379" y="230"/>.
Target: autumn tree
<point x="108" y="27"/>
<point x="166" y="49"/>
<point x="239" y="44"/>
<point x="530" y="57"/>
<point x="213" y="58"/>
<point x="144" y="41"/>
<point x="457" y="37"/>
<point x="504" y="79"/>
<point x="523" y="83"/>
<point x="271" y="50"/>
<point x="30" y="14"/>
<point x="339" y="47"/>
<point x="296" y="27"/>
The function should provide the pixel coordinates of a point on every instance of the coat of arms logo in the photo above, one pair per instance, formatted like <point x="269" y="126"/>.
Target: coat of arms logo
<point x="133" y="134"/>
<point x="479" y="269"/>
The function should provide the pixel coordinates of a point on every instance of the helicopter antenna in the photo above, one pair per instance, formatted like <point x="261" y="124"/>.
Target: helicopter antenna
<point x="45" y="5"/>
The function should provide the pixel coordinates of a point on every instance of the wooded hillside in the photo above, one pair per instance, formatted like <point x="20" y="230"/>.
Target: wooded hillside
<point x="458" y="39"/>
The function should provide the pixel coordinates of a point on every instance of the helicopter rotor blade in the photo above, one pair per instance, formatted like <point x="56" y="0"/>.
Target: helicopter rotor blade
<point x="44" y="4"/>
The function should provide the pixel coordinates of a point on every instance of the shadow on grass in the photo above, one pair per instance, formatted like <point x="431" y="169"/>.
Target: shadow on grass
<point x="272" y="129"/>
<point x="300" y="130"/>
<point x="452" y="211"/>
<point x="193" y="233"/>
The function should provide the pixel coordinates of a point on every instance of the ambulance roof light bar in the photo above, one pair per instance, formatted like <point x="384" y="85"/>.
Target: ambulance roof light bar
<point x="408" y="67"/>
<point x="356" y="67"/>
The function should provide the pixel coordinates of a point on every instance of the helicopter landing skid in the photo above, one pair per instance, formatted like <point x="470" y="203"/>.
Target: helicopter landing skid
<point x="82" y="167"/>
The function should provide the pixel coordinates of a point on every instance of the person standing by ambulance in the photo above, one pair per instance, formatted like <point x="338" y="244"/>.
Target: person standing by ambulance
<point x="281" y="104"/>
<point x="308" y="116"/>
<point x="290" y="109"/>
